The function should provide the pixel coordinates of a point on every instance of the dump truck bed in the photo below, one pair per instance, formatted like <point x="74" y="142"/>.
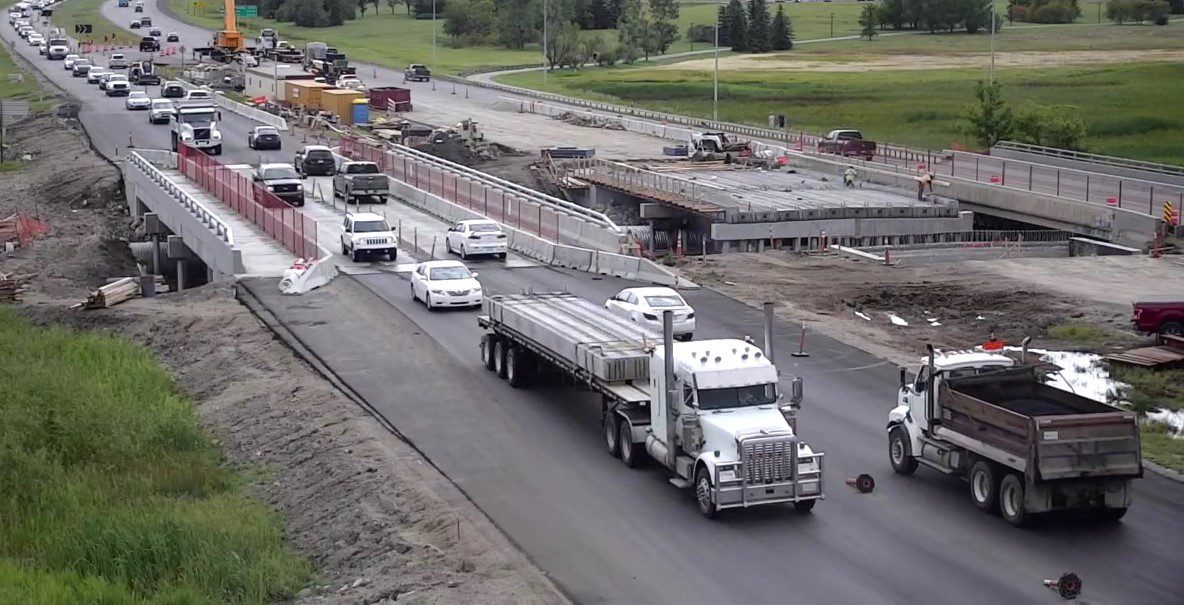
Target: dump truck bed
<point x="1057" y="434"/>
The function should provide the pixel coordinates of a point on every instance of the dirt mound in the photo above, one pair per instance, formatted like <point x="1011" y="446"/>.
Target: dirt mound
<point x="589" y="121"/>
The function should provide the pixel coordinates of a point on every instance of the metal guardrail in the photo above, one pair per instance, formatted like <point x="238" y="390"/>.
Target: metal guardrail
<point x="1093" y="158"/>
<point x="671" y="189"/>
<point x="196" y="208"/>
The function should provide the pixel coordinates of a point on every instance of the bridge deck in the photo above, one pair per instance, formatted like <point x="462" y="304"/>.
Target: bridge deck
<point x="262" y="255"/>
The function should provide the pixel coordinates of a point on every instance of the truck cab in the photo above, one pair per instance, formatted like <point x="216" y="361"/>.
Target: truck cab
<point x="725" y="429"/>
<point x="1159" y="315"/>
<point x="196" y="124"/>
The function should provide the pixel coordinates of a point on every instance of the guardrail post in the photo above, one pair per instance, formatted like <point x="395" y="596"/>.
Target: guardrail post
<point x="1087" y="186"/>
<point x="976" y="168"/>
<point x="1059" y="183"/>
<point x="1120" y="193"/>
<point x="1151" y="200"/>
<point x="1030" y="173"/>
<point x="1003" y="174"/>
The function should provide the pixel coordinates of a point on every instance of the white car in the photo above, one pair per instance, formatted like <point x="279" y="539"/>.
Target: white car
<point x="137" y="99"/>
<point x="43" y="49"/>
<point x="645" y="306"/>
<point x="445" y="283"/>
<point x="95" y="75"/>
<point x="161" y="111"/>
<point x="117" y="61"/>
<point x="476" y="237"/>
<point x="203" y="94"/>
<point x="367" y="233"/>
<point x="68" y="62"/>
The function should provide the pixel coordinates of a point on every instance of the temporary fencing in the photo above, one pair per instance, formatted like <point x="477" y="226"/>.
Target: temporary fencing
<point x="291" y="228"/>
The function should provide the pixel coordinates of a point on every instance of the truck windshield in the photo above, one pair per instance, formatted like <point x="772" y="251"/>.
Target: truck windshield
<point x="196" y="117"/>
<point x="736" y="397"/>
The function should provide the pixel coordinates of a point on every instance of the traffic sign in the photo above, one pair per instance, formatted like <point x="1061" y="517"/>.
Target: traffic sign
<point x="247" y="10"/>
<point x="1169" y="214"/>
<point x="82" y="28"/>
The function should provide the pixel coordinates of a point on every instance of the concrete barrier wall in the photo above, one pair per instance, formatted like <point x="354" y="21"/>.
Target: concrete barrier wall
<point x="843" y="227"/>
<point x="1085" y="166"/>
<point x="202" y="231"/>
<point x="1080" y="246"/>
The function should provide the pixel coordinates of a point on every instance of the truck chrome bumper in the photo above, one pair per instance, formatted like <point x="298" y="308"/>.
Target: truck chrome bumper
<point x="804" y="485"/>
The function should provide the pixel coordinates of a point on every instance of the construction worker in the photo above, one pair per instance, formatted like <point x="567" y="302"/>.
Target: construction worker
<point x="849" y="177"/>
<point x="922" y="181"/>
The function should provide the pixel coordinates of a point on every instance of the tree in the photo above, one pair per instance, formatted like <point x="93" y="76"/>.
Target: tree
<point x="392" y="4"/>
<point x="516" y="22"/>
<point x="723" y="21"/>
<point x="633" y="32"/>
<point x="990" y="121"/>
<point x="362" y="6"/>
<point x="891" y="12"/>
<point x="664" y="18"/>
<point x="409" y="4"/>
<point x="758" y="26"/>
<point x="781" y="31"/>
<point x="592" y="47"/>
<point x="1050" y="125"/>
<point x="736" y="26"/>
<point x="976" y="15"/>
<point x="869" y="17"/>
<point x="469" y="21"/>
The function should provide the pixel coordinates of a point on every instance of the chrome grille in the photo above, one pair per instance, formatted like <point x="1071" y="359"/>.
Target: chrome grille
<point x="767" y="459"/>
<point x="375" y="241"/>
<point x="285" y="188"/>
<point x="201" y="133"/>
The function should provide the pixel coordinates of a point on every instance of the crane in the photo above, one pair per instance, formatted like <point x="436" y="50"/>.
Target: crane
<point x="230" y="39"/>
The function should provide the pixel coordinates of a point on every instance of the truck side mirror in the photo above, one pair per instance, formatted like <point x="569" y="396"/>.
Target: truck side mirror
<point x="796" y="394"/>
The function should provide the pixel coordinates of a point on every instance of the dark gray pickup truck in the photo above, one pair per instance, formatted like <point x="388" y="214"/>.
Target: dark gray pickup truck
<point x="356" y="180"/>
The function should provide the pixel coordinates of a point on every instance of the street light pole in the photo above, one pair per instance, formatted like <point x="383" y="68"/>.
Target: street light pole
<point x="545" y="60"/>
<point x="832" y="25"/>
<point x="992" y="45"/>
<point x="435" y="62"/>
<point x="715" y="73"/>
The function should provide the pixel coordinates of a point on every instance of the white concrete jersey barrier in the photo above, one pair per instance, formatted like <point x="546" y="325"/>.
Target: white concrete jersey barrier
<point x="242" y="109"/>
<point x="305" y="275"/>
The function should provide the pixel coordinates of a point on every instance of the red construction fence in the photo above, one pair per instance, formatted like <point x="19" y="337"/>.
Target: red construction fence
<point x="492" y="201"/>
<point x="287" y="225"/>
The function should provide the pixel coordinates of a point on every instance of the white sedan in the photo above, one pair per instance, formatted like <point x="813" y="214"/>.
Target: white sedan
<point x="138" y="99"/>
<point x="645" y="306"/>
<point x="476" y="237"/>
<point x="445" y="283"/>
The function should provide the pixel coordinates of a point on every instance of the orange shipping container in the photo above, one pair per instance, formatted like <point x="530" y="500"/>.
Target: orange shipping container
<point x="305" y="93"/>
<point x="339" y="102"/>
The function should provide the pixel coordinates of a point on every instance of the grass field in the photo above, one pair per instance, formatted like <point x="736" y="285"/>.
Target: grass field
<point x="1124" y="105"/>
<point x="20" y="85"/>
<point x="67" y="14"/>
<point x="109" y="490"/>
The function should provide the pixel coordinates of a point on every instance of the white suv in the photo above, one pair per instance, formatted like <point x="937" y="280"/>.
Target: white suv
<point x="367" y="233"/>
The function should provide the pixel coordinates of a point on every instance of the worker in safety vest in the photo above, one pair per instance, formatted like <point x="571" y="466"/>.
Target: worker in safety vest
<point x="849" y="177"/>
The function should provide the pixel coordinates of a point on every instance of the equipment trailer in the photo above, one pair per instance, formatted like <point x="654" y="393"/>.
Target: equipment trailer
<point x="1024" y="446"/>
<point x="707" y="410"/>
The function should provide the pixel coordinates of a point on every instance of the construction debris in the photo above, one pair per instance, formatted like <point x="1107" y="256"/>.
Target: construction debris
<point x="13" y="285"/>
<point x="21" y="229"/>
<point x="1170" y="354"/>
<point x="112" y="294"/>
<point x="588" y="120"/>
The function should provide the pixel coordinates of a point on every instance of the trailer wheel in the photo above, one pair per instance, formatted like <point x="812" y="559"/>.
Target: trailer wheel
<point x="499" y="358"/>
<point x="611" y="438"/>
<point x="517" y="367"/>
<point x="900" y="452"/>
<point x="487" y="345"/>
<point x="703" y="492"/>
<point x="1011" y="500"/>
<point x="630" y="454"/>
<point x="984" y="486"/>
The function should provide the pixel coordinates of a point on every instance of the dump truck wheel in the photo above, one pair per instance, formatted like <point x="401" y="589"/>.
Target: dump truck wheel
<point x="1011" y="500"/>
<point x="984" y="486"/>
<point x="900" y="452"/>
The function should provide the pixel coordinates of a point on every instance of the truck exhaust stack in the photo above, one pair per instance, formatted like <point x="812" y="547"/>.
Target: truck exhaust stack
<point x="668" y="366"/>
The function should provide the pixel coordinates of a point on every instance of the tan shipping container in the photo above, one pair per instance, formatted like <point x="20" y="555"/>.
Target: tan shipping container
<point x="339" y="102"/>
<point x="305" y="93"/>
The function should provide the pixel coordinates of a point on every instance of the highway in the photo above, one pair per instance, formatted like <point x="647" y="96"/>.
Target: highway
<point x="534" y="462"/>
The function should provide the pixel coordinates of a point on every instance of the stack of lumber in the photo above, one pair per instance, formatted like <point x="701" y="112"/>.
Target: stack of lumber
<point x="112" y="294"/>
<point x="12" y="285"/>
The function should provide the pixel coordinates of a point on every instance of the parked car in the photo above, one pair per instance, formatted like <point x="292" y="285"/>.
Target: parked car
<point x="847" y="143"/>
<point x="137" y="99"/>
<point x="1159" y="315"/>
<point x="172" y="37"/>
<point x="172" y="90"/>
<point x="264" y="137"/>
<point x="645" y="306"/>
<point x="445" y="283"/>
<point x="283" y="181"/>
<point x="117" y="61"/>
<point x="315" y="160"/>
<point x="367" y="233"/>
<point x="81" y="67"/>
<point x="161" y="111"/>
<point x="470" y="237"/>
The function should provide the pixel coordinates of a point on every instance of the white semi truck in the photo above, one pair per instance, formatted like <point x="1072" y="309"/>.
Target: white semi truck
<point x="710" y="411"/>
<point x="1024" y="447"/>
<point x="196" y="124"/>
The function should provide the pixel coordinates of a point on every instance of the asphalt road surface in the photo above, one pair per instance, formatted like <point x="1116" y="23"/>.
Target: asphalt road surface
<point x="533" y="461"/>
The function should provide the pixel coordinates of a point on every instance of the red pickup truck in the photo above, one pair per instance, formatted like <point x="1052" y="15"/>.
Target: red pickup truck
<point x="1159" y="315"/>
<point x="847" y="143"/>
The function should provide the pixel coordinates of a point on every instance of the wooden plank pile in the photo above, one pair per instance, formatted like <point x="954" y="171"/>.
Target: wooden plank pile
<point x="1168" y="355"/>
<point x="120" y="290"/>
<point x="13" y="285"/>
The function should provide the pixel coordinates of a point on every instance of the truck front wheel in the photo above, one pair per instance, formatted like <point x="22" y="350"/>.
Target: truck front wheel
<point x="984" y="486"/>
<point x="900" y="452"/>
<point x="703" y="492"/>
<point x="1011" y="500"/>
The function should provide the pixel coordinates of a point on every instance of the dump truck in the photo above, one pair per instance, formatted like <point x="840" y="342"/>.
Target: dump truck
<point x="710" y="411"/>
<point x="1024" y="447"/>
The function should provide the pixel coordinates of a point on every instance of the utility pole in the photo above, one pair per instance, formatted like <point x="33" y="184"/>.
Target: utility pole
<point x="435" y="62"/>
<point x="715" y="73"/>
<point x="832" y="25"/>
<point x="992" y="75"/>
<point x="546" y="62"/>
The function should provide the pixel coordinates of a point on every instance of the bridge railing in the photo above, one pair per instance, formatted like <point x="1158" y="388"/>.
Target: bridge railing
<point x="208" y="218"/>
